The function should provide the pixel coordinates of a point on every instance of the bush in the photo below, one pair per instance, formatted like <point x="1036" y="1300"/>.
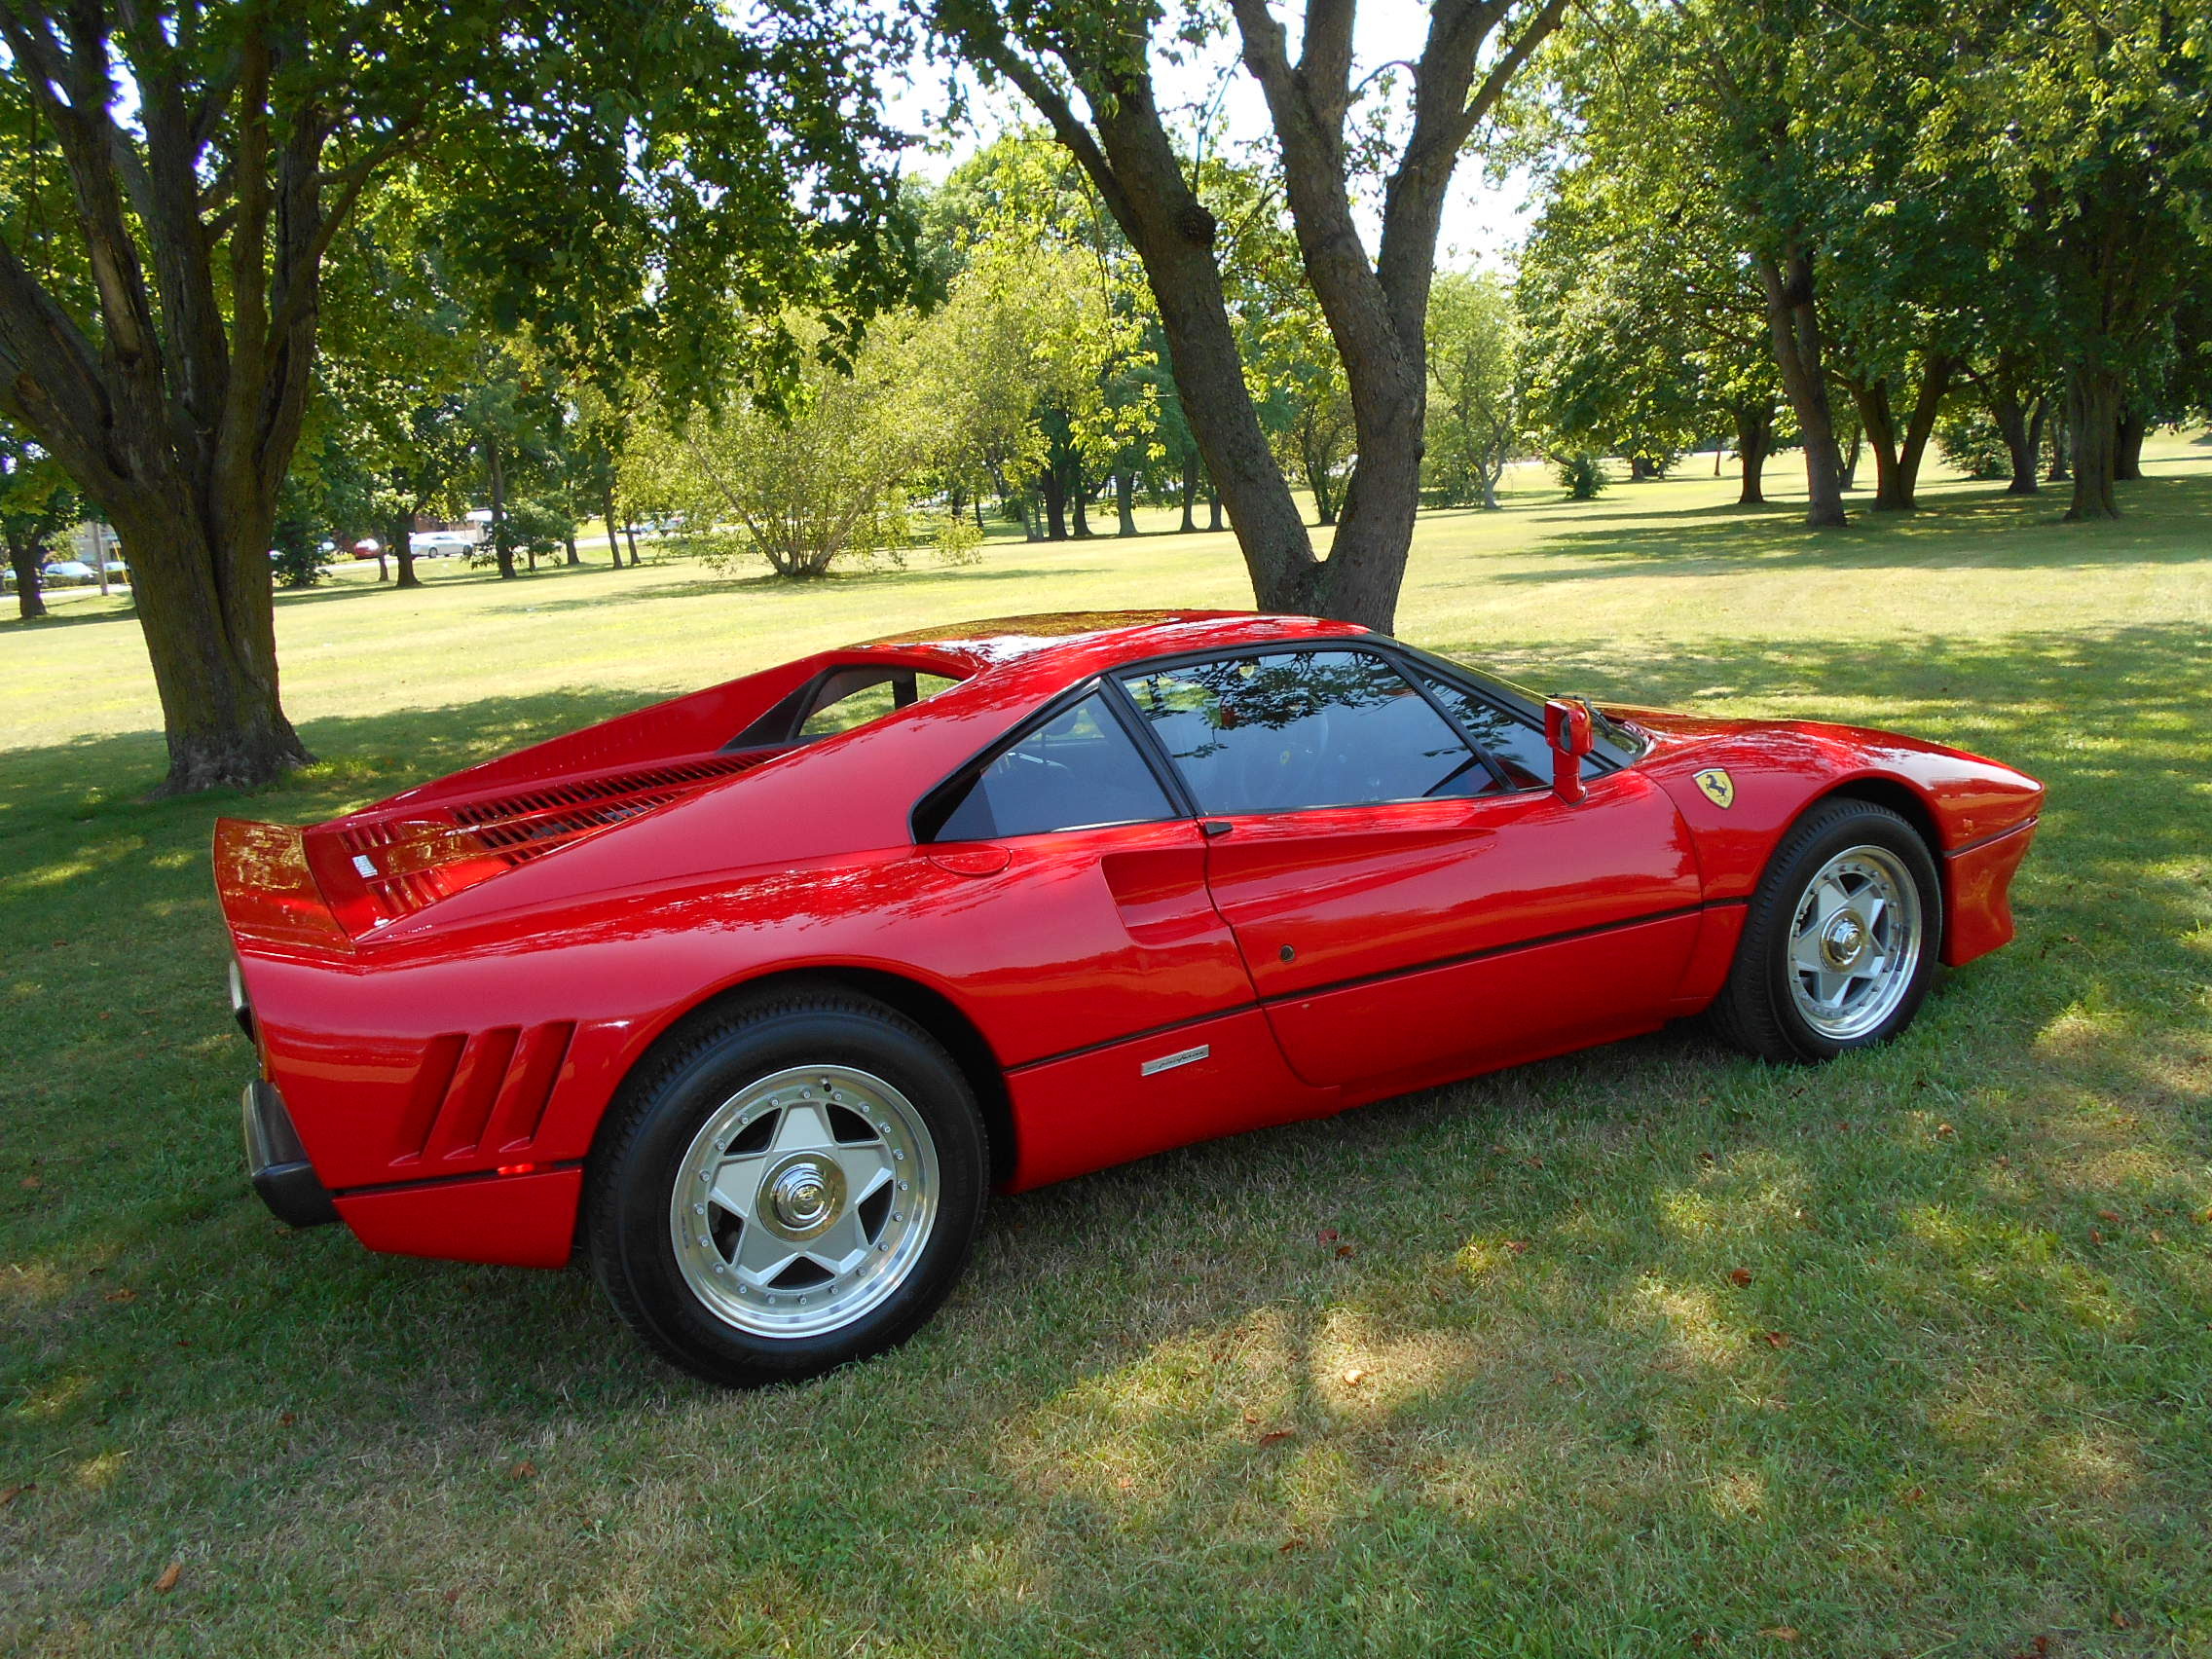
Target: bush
<point x="1582" y="475"/>
<point x="1970" y="441"/>
<point x="957" y="541"/>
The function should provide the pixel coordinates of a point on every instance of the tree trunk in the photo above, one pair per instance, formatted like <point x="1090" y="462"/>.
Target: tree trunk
<point x="1189" y="491"/>
<point x="2060" y="435"/>
<point x="210" y="617"/>
<point x="399" y="537"/>
<point x="1878" y="420"/>
<point x="23" y="559"/>
<point x="2127" y="444"/>
<point x="494" y="466"/>
<point x="630" y="536"/>
<point x="1640" y="471"/>
<point x="1056" y="505"/>
<point x="1079" y="501"/>
<point x="1213" y="509"/>
<point x="1754" y="437"/>
<point x="1793" y="326"/>
<point x="1124" y="504"/>
<point x="2093" y="395"/>
<point x="568" y="542"/>
<point x="1852" y="456"/>
<point x="384" y="570"/>
<point x="613" y="547"/>
<point x="2023" y="438"/>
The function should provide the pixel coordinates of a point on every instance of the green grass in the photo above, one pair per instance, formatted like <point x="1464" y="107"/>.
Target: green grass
<point x="1981" y="1420"/>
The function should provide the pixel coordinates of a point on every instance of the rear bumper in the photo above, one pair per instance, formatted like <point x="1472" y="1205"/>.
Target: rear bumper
<point x="278" y="1164"/>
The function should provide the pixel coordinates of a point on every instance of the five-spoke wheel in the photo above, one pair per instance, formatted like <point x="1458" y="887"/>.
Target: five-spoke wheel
<point x="792" y="1185"/>
<point x="805" y="1199"/>
<point x="1839" y="943"/>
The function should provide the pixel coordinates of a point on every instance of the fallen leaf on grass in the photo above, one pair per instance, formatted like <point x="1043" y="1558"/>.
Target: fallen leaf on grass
<point x="1289" y="1544"/>
<point x="1912" y="1494"/>
<point x="31" y="1183"/>
<point x="1780" y="1633"/>
<point x="9" y="1494"/>
<point x="170" y="1576"/>
<point x="2096" y="1236"/>
<point x="1126" y="1483"/>
<point x="1272" y="1436"/>
<point x="1774" y="1339"/>
<point x="1342" y="1250"/>
<point x="2120" y="1621"/>
<point x="123" y="1296"/>
<point x="1739" y="1277"/>
<point x="1944" y="1131"/>
<point x="523" y="1470"/>
<point x="1519" y="1246"/>
<point x="285" y="1419"/>
<point x="1327" y="1236"/>
<point x="1354" y="1376"/>
<point x="2112" y="1216"/>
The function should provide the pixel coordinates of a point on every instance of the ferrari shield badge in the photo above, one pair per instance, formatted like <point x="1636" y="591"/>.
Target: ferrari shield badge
<point x="1718" y="786"/>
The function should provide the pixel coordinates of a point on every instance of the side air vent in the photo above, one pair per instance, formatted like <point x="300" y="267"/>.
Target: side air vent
<point x="482" y="1092"/>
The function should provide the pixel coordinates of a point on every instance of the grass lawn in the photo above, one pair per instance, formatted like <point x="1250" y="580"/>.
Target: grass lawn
<point x="1653" y="1350"/>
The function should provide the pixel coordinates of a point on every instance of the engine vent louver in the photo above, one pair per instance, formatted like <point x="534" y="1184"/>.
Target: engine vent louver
<point x="406" y="863"/>
<point x="482" y="1094"/>
<point x="523" y="826"/>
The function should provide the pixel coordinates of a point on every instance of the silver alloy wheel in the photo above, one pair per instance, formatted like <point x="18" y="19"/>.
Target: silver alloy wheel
<point x="1855" y="942"/>
<point x="804" y="1200"/>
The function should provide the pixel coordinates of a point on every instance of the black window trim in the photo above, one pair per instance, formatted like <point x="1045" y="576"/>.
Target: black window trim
<point x="938" y="802"/>
<point x="1370" y="645"/>
<point x="1410" y="662"/>
<point x="785" y="708"/>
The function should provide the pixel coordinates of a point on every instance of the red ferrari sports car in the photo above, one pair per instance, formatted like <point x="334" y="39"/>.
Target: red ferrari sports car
<point x="754" y="994"/>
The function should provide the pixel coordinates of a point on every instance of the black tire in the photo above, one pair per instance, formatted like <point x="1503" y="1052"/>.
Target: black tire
<point x="657" y="1123"/>
<point x="1759" y="1009"/>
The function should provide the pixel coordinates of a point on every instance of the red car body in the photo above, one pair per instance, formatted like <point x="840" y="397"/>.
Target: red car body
<point x="447" y="988"/>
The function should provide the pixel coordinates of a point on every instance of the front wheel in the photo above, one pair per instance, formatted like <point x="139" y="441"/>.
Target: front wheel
<point x="796" y="1186"/>
<point x="1840" y="944"/>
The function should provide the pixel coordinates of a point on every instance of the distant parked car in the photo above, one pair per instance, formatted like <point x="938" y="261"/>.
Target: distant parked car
<point x="118" y="571"/>
<point x="67" y="573"/>
<point x="368" y="547"/>
<point x="441" y="544"/>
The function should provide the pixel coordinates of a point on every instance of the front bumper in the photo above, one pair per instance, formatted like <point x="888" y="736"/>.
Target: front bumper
<point x="278" y="1164"/>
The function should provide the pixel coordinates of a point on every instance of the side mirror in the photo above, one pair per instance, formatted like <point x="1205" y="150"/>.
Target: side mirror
<point x="1566" y="728"/>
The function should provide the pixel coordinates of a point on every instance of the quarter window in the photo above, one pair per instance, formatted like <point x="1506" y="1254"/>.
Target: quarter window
<point x="1077" y="771"/>
<point x="1523" y="753"/>
<point x="1293" y="729"/>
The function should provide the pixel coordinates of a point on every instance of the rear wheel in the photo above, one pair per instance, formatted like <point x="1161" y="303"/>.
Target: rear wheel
<point x="1840" y="944"/>
<point x="795" y="1187"/>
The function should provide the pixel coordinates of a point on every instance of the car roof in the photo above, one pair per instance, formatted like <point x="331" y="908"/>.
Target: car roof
<point x="1078" y="642"/>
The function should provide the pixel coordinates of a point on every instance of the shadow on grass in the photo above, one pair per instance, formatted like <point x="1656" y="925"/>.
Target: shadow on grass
<point x="1467" y="1372"/>
<point x="1978" y="528"/>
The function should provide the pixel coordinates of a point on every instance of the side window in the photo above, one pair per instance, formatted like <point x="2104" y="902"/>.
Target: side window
<point x="1524" y="754"/>
<point x="857" y="696"/>
<point x="838" y="701"/>
<point x="1293" y="729"/>
<point x="1079" y="771"/>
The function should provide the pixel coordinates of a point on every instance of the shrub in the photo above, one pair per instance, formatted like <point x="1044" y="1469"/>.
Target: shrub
<point x="1582" y="475"/>
<point x="1970" y="441"/>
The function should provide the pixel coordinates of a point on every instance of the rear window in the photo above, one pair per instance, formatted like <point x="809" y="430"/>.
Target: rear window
<point x="840" y="700"/>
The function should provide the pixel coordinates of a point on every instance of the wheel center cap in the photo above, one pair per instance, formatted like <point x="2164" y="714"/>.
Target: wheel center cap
<point x="1844" y="941"/>
<point x="802" y="1196"/>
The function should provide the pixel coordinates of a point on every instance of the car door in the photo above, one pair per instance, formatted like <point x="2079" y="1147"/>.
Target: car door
<point x="1090" y="951"/>
<point x="1407" y="907"/>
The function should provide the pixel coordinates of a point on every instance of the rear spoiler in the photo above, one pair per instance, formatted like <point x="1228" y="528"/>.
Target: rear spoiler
<point x="269" y="892"/>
